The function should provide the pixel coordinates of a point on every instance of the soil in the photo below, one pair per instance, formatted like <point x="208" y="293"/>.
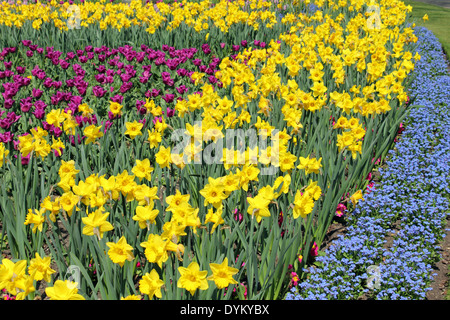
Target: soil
<point x="440" y="284"/>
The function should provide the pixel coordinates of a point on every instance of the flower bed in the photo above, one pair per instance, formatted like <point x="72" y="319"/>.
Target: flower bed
<point x="398" y="226"/>
<point x="278" y="130"/>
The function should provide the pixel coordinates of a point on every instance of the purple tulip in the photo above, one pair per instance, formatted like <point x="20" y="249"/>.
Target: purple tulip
<point x="39" y="104"/>
<point x="169" y="97"/>
<point x="100" y="78"/>
<point x="126" y="77"/>
<point x="170" y="112"/>
<point x="26" y="104"/>
<point x="5" y="124"/>
<point x="109" y="79"/>
<point x="46" y="126"/>
<point x="112" y="116"/>
<point x="181" y="89"/>
<point x="64" y="64"/>
<point x="206" y="49"/>
<point x="159" y="61"/>
<point x="165" y="75"/>
<point x="41" y="75"/>
<point x="8" y="73"/>
<point x="20" y="70"/>
<point x="57" y="84"/>
<point x="212" y="79"/>
<point x="8" y="103"/>
<point x="25" y="160"/>
<point x="147" y="74"/>
<point x="81" y="90"/>
<point x="125" y="87"/>
<point x="54" y="100"/>
<point x="157" y="119"/>
<point x="6" y="137"/>
<point x="155" y="92"/>
<point x="101" y="69"/>
<point x="98" y="91"/>
<point x="117" y="98"/>
<point x="26" y="43"/>
<point x="182" y="72"/>
<point x="39" y="113"/>
<point x="169" y="82"/>
<point x="143" y="80"/>
<point x="55" y="131"/>
<point x="70" y="83"/>
<point x="108" y="124"/>
<point x="48" y="82"/>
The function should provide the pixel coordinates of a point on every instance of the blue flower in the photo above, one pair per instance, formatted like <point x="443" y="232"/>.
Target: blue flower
<point x="409" y="204"/>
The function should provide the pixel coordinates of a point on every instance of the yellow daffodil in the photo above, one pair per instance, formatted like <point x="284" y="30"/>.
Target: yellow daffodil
<point x="192" y="278"/>
<point x="222" y="274"/>
<point x="96" y="223"/>
<point x="40" y="268"/>
<point x="303" y="204"/>
<point x="156" y="249"/>
<point x="36" y="218"/>
<point x="63" y="290"/>
<point x="151" y="284"/>
<point x="354" y="198"/>
<point x="133" y="129"/>
<point x="142" y="169"/>
<point x="120" y="251"/>
<point x="258" y="207"/>
<point x="92" y="132"/>
<point x="145" y="215"/>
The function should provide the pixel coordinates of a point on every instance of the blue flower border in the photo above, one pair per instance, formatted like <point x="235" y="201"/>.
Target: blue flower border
<point x="393" y="236"/>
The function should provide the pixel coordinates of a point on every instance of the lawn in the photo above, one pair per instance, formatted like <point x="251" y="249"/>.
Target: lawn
<point x="438" y="23"/>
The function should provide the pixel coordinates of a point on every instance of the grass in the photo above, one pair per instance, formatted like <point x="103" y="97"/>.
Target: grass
<point x="438" y="23"/>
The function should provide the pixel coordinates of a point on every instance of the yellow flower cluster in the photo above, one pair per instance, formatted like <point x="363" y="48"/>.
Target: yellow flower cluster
<point x="95" y="192"/>
<point x="20" y="282"/>
<point x="191" y="279"/>
<point x="35" y="142"/>
<point x="197" y="15"/>
<point x="352" y="138"/>
<point x="326" y="63"/>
